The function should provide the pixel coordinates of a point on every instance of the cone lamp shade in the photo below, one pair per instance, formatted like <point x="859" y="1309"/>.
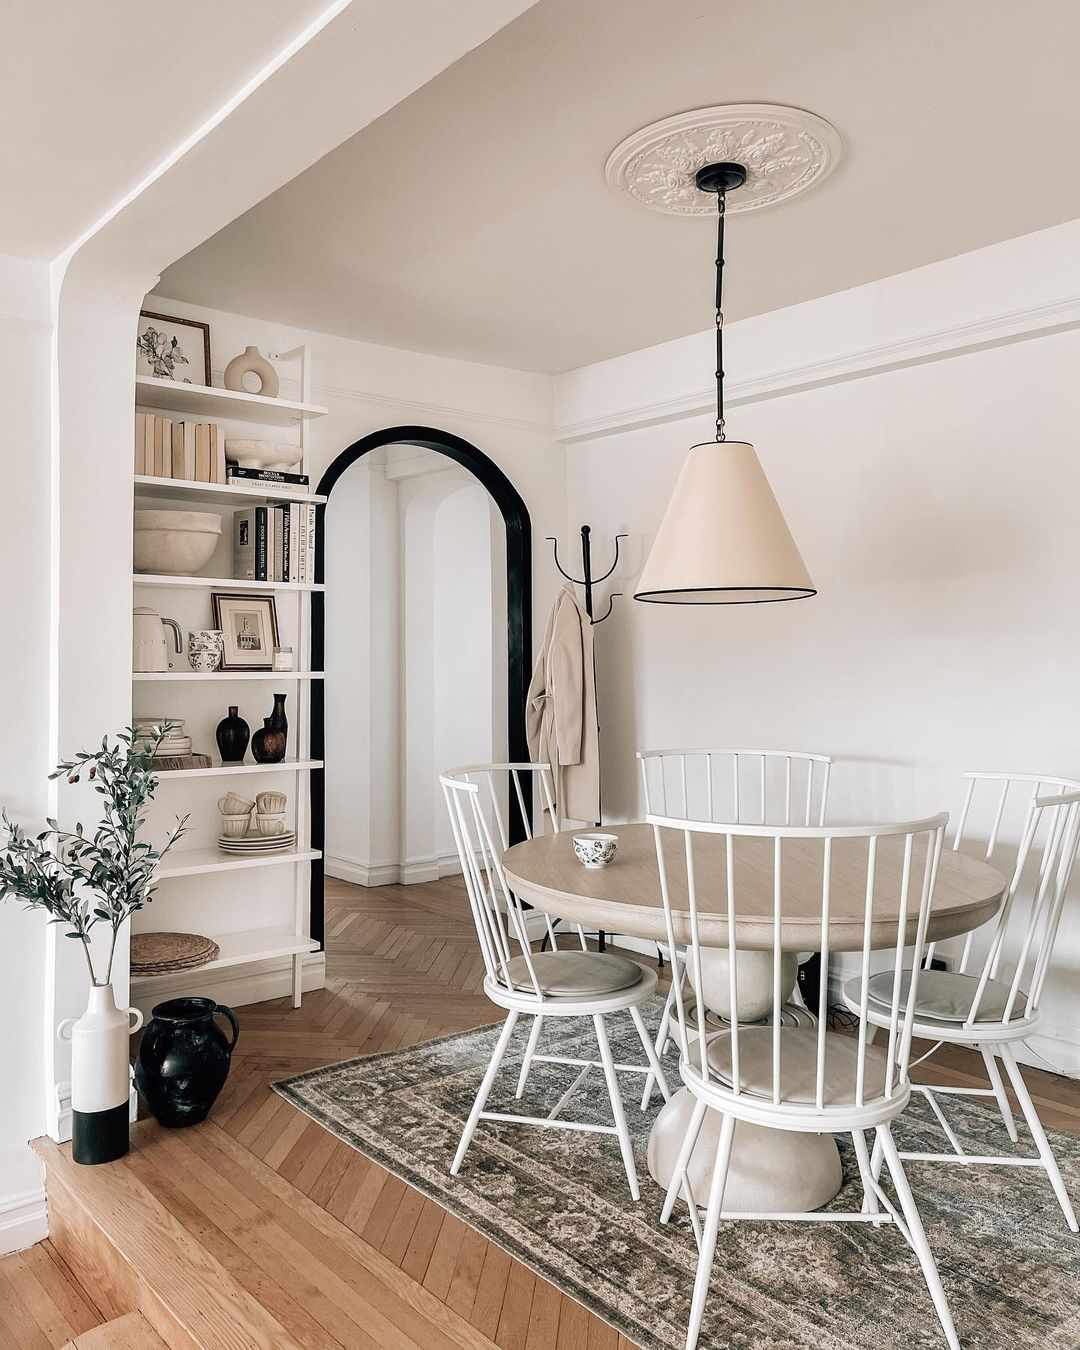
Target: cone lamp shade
<point x="723" y="539"/>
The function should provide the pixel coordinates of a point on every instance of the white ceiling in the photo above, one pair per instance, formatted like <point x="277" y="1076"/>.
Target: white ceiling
<point x="93" y="96"/>
<point x="473" y="218"/>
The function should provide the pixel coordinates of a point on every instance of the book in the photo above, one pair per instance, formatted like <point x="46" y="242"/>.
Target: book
<point x="163" y="763"/>
<point x="260" y="543"/>
<point x="217" y="454"/>
<point x="244" y="545"/>
<point x="311" y="542"/>
<point x="202" y="452"/>
<point x="176" y="450"/>
<point x="286" y="541"/>
<point x="140" y="443"/>
<point x="267" y="476"/>
<point x="189" y="451"/>
<point x="271" y="544"/>
<point x="162" y="465"/>
<point x="294" y="543"/>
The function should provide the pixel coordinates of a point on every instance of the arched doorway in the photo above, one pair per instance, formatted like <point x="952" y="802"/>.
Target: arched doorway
<point x="515" y="517"/>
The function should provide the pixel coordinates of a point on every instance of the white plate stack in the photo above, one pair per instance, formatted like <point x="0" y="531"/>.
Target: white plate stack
<point x="259" y="843"/>
<point x="173" y="743"/>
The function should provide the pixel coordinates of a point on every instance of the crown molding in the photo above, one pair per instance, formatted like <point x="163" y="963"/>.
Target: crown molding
<point x="1017" y="325"/>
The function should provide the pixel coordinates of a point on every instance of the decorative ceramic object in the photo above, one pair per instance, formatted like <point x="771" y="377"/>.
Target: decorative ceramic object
<point x="232" y="736"/>
<point x="99" y="1076"/>
<point x="262" y="454"/>
<point x="270" y="824"/>
<point x="176" y="543"/>
<point x="149" y="650"/>
<point x="270" y="803"/>
<point x="184" y="1059"/>
<point x="595" y="849"/>
<point x="235" y="827"/>
<point x="233" y="805"/>
<point x="252" y="362"/>
<point x="268" y="744"/>
<point x="205" y="649"/>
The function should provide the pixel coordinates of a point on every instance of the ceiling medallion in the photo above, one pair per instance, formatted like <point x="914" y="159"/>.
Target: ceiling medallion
<point x="785" y="151"/>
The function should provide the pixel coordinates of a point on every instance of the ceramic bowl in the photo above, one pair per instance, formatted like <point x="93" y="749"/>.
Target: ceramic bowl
<point x="234" y="827"/>
<point x="176" y="543"/>
<point x="232" y="805"/>
<point x="595" y="849"/>
<point x="271" y="824"/>
<point x="271" y="803"/>
<point x="262" y="454"/>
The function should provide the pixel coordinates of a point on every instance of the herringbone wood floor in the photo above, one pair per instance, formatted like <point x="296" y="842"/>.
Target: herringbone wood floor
<point x="402" y="966"/>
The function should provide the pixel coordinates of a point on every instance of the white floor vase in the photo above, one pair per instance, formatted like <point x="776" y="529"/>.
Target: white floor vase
<point x="100" y="1076"/>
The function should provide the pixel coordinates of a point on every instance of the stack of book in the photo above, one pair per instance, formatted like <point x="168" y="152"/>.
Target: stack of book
<point x="194" y="451"/>
<point x="275" y="543"/>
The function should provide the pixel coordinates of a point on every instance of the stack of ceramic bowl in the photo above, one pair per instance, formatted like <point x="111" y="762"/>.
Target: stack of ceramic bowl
<point x="268" y="832"/>
<point x="163" y="953"/>
<point x="173" y="743"/>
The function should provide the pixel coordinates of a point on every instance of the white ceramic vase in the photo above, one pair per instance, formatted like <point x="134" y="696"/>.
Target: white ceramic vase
<point x="252" y="362"/>
<point x="100" y="1076"/>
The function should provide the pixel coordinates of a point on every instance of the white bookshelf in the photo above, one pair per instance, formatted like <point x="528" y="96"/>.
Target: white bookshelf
<point x="223" y="583"/>
<point x="150" y="488"/>
<point x="270" y="889"/>
<point x="218" y="404"/>
<point x="223" y="676"/>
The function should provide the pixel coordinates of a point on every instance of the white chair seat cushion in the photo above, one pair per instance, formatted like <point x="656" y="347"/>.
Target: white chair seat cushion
<point x="943" y="995"/>
<point x="574" y="974"/>
<point x="798" y="1065"/>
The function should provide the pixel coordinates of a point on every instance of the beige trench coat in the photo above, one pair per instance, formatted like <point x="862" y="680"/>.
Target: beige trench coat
<point x="561" y="723"/>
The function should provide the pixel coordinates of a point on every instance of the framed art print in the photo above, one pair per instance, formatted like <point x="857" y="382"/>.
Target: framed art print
<point x="168" y="348"/>
<point x="249" y="629"/>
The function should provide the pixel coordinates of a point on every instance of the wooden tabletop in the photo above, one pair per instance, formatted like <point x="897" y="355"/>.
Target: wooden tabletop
<point x="624" y="897"/>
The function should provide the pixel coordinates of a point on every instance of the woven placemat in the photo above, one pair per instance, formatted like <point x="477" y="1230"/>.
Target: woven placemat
<point x="156" y="953"/>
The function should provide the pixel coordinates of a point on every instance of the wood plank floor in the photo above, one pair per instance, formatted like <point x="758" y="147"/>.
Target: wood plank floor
<point x="402" y="966"/>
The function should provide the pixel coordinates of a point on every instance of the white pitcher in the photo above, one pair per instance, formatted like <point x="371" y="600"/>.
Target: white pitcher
<point x="100" y="1076"/>
<point x="149" y="651"/>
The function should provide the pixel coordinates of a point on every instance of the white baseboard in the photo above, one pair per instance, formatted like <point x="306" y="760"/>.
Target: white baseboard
<point x="413" y="873"/>
<point x="238" y="985"/>
<point x="24" y="1220"/>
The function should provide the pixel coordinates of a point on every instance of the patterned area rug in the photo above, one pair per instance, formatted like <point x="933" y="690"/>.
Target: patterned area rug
<point x="557" y="1200"/>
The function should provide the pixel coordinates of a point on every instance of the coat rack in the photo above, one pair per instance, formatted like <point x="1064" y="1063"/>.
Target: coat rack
<point x="588" y="580"/>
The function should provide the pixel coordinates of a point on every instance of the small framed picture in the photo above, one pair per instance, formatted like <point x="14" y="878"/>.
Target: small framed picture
<point x="172" y="349"/>
<point x="249" y="627"/>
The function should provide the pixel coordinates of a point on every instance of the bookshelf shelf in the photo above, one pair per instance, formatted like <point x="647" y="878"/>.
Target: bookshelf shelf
<point x="218" y="494"/>
<point x="229" y="770"/>
<point x="201" y="677"/>
<point x="276" y="890"/>
<point x="197" y="861"/>
<point x="200" y="399"/>
<point x="237" y="949"/>
<point x="223" y="583"/>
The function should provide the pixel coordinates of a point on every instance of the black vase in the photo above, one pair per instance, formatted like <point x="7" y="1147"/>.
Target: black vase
<point x="184" y="1059"/>
<point x="268" y="744"/>
<point x="232" y="734"/>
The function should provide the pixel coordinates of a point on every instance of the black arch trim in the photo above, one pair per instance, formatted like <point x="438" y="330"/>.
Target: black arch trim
<point x="515" y="516"/>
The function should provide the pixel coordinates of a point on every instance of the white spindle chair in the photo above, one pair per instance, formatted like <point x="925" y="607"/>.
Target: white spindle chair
<point x="578" y="983"/>
<point x="760" y="787"/>
<point x="990" y="1004"/>
<point x="809" y="1080"/>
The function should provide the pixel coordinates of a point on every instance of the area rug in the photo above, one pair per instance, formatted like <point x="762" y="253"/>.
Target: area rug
<point x="558" y="1201"/>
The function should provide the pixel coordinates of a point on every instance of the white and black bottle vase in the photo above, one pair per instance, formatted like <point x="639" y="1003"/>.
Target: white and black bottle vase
<point x="100" y="1076"/>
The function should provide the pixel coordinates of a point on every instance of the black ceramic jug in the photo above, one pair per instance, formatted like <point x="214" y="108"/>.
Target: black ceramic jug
<point x="184" y="1059"/>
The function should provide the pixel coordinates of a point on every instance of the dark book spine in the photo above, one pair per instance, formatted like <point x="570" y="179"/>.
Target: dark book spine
<point x="267" y="476"/>
<point x="260" y="543"/>
<point x="286" y="552"/>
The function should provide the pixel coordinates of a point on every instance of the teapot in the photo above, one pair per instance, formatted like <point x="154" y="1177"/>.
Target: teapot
<point x="149" y="649"/>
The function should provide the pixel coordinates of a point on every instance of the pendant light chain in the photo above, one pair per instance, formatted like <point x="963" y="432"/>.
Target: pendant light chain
<point x="720" y="205"/>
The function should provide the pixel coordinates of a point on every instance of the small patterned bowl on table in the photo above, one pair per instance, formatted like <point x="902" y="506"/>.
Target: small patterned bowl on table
<point x="595" y="849"/>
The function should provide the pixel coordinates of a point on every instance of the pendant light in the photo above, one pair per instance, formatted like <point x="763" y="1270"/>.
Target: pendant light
<point x="723" y="539"/>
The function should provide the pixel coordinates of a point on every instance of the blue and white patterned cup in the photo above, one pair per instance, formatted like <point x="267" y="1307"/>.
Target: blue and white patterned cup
<point x="595" y="849"/>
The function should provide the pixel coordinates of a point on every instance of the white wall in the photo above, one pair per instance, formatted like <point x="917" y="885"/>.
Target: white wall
<point x="412" y="646"/>
<point x="25" y="688"/>
<point x="935" y="505"/>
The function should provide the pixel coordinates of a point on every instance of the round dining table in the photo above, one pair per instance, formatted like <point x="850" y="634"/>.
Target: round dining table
<point x="771" y="1171"/>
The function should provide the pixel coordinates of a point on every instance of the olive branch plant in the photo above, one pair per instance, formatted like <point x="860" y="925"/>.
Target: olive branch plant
<point x="83" y="879"/>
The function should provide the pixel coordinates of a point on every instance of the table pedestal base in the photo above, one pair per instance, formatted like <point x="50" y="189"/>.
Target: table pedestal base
<point x="771" y="1172"/>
